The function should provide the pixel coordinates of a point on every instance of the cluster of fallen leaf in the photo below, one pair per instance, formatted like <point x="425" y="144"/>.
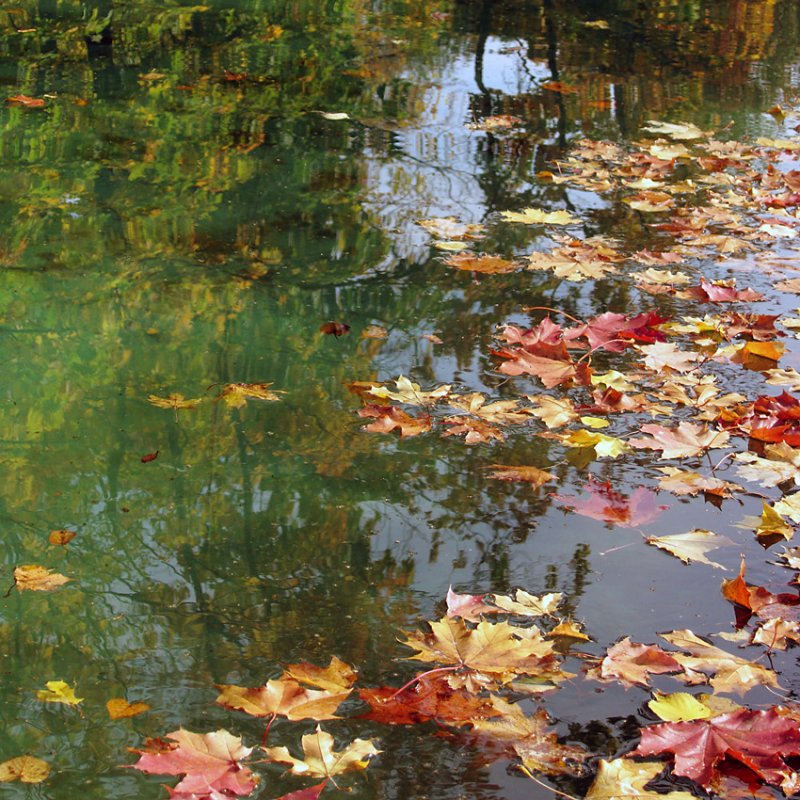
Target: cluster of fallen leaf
<point x="664" y="388"/>
<point x="478" y="663"/>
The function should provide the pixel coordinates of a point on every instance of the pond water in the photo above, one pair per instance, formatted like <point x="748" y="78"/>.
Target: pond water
<point x="185" y="210"/>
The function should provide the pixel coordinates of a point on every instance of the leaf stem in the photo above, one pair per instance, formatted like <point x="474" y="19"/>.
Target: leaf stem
<point x="418" y="678"/>
<point x="525" y="771"/>
<point x="266" y="730"/>
<point x="555" y="311"/>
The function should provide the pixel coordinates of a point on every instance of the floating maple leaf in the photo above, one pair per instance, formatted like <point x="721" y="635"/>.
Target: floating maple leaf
<point x="609" y="506"/>
<point x="282" y="697"/>
<point x="631" y="664"/>
<point x="679" y="707"/>
<point x="467" y="606"/>
<point x="58" y="692"/>
<point x="389" y="418"/>
<point x="321" y="760"/>
<point x="336" y="677"/>
<point x="410" y="392"/>
<point x="492" y="652"/>
<point x="25" y="769"/>
<point x="530" y="738"/>
<point x="686" y="482"/>
<point x="760" y="740"/>
<point x="209" y="762"/>
<point x="535" y="216"/>
<point x="663" y="355"/>
<point x="451" y="228"/>
<point x="120" y="708"/>
<point x="730" y="673"/>
<point x="61" y="537"/>
<point x="487" y="264"/>
<point x="614" y="332"/>
<point x="681" y="442"/>
<point x="691" y="546"/>
<point x="35" y="578"/>
<point x="429" y="698"/>
<point x="473" y="430"/>
<point x="622" y="779"/>
<point x="525" y="604"/>
<point x="720" y="291"/>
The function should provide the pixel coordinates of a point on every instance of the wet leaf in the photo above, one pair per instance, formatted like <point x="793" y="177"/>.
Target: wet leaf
<point x="236" y="395"/>
<point x="682" y="131"/>
<point x="691" y="546"/>
<point x="119" y="708"/>
<point x="730" y="673"/>
<point x="61" y="537"/>
<point x="498" y="651"/>
<point x="35" y="578"/>
<point x="530" y="739"/>
<point x="536" y="216"/>
<point x="430" y="698"/>
<point x="210" y="763"/>
<point x="374" y="332"/>
<point x="603" y="445"/>
<point x="410" y="392"/>
<point x="336" y="677"/>
<point x="334" y="328"/>
<point x="450" y="228"/>
<point x="283" y="697"/>
<point x="390" y="418"/>
<point x="175" y="401"/>
<point x="623" y="779"/>
<point x="147" y="458"/>
<point x="528" y="605"/>
<point x="632" y="664"/>
<point x="321" y="760"/>
<point x="679" y="707"/>
<point x="686" y="482"/>
<point x="533" y="475"/>
<point x="467" y="606"/>
<point x="25" y="769"/>
<point x="58" y="692"/>
<point x="758" y="739"/>
<point x="490" y="265"/>
<point x="684" y="441"/>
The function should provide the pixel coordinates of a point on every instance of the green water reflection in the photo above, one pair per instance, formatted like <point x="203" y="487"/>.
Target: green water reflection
<point x="180" y="215"/>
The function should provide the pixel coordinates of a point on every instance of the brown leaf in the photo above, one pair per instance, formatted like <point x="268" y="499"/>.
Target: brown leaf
<point x="389" y="418"/>
<point x="24" y="100"/>
<point x="334" y="328"/>
<point x="61" y="537"/>
<point x="25" y="769"/>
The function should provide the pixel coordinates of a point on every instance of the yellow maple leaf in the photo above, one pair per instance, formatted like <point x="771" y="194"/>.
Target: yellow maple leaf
<point x="321" y="760"/>
<point x="535" y="216"/>
<point x="678" y="707"/>
<point x="35" y="578"/>
<point x="25" y="769"/>
<point x="58" y="692"/>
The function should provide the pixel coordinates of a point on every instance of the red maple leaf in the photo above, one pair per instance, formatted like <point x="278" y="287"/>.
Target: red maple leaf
<point x="607" y="505"/>
<point x="210" y="763"/>
<point x="758" y="739"/>
<point x="720" y="293"/>
<point x="614" y="332"/>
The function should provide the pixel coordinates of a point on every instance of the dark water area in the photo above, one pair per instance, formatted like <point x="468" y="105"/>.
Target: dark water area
<point x="202" y="188"/>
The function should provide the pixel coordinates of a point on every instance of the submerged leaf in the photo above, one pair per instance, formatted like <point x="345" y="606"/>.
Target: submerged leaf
<point x="58" y="692"/>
